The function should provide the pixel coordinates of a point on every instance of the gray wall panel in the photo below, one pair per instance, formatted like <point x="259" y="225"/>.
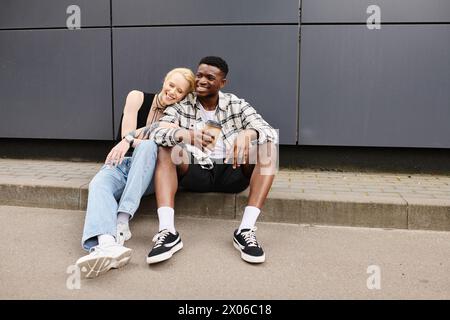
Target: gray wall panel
<point x="163" y="12"/>
<point x="51" y="13"/>
<point x="55" y="84"/>
<point x="387" y="87"/>
<point x="341" y="11"/>
<point x="262" y="62"/>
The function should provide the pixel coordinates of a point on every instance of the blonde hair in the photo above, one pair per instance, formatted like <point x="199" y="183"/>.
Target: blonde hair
<point x="186" y="73"/>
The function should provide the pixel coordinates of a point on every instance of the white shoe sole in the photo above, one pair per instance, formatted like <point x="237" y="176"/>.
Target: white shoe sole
<point x="166" y="255"/>
<point x="249" y="258"/>
<point x="97" y="266"/>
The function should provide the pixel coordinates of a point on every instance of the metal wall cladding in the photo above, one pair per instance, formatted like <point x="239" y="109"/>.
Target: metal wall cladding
<point x="19" y="14"/>
<point x="56" y="84"/>
<point x="351" y="11"/>
<point x="261" y="59"/>
<point x="176" y="12"/>
<point x="387" y="87"/>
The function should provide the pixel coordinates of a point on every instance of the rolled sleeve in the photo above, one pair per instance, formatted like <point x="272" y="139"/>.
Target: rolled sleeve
<point x="164" y="136"/>
<point x="252" y="120"/>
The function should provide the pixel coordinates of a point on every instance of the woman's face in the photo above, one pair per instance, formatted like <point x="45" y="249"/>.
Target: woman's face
<point x="174" y="89"/>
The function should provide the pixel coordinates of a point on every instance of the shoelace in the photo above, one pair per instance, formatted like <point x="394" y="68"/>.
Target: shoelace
<point x="160" y="237"/>
<point x="250" y="237"/>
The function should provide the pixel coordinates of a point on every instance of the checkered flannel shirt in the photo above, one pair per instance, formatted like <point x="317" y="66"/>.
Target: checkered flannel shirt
<point x="234" y="115"/>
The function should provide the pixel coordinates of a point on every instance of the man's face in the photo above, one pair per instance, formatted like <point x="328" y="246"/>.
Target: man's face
<point x="208" y="80"/>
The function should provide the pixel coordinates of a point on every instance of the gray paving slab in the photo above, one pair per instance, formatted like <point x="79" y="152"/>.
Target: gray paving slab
<point x="302" y="196"/>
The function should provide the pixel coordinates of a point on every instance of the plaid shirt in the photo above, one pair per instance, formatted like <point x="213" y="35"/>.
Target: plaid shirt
<point x="234" y="115"/>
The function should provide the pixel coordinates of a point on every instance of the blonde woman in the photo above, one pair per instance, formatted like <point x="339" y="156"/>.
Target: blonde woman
<point x="116" y="190"/>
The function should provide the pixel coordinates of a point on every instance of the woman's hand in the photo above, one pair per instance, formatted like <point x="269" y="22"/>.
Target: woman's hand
<point x="117" y="154"/>
<point x="137" y="142"/>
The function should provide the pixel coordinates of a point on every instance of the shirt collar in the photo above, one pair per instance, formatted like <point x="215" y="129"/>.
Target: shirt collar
<point x="224" y="100"/>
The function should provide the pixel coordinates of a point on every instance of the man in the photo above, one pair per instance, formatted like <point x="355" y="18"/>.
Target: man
<point x="241" y="124"/>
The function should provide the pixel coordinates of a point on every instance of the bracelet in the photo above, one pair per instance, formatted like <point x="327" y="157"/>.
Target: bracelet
<point x="131" y="133"/>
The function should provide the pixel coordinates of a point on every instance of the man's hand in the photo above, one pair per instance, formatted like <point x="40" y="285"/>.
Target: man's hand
<point x="117" y="154"/>
<point x="199" y="138"/>
<point x="240" y="151"/>
<point x="202" y="139"/>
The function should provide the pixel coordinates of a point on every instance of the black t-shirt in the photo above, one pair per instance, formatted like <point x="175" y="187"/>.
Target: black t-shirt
<point x="142" y="116"/>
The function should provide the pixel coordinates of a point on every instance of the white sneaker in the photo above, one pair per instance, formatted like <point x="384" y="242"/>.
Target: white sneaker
<point x="103" y="258"/>
<point x="123" y="233"/>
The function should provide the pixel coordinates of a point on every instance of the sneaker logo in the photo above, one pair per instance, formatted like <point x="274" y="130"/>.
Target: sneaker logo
<point x="240" y="245"/>
<point x="168" y="245"/>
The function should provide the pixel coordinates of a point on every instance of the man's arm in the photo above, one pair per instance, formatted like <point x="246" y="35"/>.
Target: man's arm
<point x="252" y="120"/>
<point x="164" y="133"/>
<point x="170" y="131"/>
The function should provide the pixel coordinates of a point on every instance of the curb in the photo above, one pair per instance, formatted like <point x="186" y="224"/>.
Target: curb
<point x="316" y="209"/>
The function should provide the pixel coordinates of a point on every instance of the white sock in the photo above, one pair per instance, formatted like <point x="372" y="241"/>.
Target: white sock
<point x="166" y="219"/>
<point x="249" y="219"/>
<point x="106" y="239"/>
<point x="123" y="217"/>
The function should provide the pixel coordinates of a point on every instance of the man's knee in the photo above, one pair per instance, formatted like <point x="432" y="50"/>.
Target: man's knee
<point x="164" y="154"/>
<point x="179" y="156"/>
<point x="268" y="158"/>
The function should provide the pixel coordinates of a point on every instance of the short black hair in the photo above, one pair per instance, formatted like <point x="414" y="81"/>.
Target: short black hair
<point x="215" y="62"/>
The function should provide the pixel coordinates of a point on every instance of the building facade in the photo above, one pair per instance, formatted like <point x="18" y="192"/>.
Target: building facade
<point x="324" y="72"/>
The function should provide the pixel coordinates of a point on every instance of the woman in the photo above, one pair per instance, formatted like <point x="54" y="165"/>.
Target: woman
<point x="116" y="190"/>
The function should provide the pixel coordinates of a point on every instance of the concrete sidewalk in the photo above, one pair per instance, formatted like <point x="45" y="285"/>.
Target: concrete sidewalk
<point x="302" y="262"/>
<point x="305" y="196"/>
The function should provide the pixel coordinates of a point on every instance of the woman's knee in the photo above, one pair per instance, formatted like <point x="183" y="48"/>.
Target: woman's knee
<point x="148" y="146"/>
<point x="101" y="182"/>
<point x="96" y="184"/>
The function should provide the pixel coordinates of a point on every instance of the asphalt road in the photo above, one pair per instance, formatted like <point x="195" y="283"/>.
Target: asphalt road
<point x="302" y="262"/>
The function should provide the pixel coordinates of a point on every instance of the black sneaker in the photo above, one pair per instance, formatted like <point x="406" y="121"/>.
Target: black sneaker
<point x="246" y="243"/>
<point x="166" y="244"/>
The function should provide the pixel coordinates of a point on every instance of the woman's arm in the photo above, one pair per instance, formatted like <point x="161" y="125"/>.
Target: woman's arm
<point x="129" y="122"/>
<point x="143" y="133"/>
<point x="132" y="105"/>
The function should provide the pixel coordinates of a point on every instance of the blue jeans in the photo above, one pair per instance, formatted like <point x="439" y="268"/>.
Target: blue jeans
<point x="118" y="189"/>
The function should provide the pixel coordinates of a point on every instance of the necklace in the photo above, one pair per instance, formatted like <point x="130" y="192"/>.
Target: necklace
<point x="157" y="109"/>
<point x="159" y="105"/>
